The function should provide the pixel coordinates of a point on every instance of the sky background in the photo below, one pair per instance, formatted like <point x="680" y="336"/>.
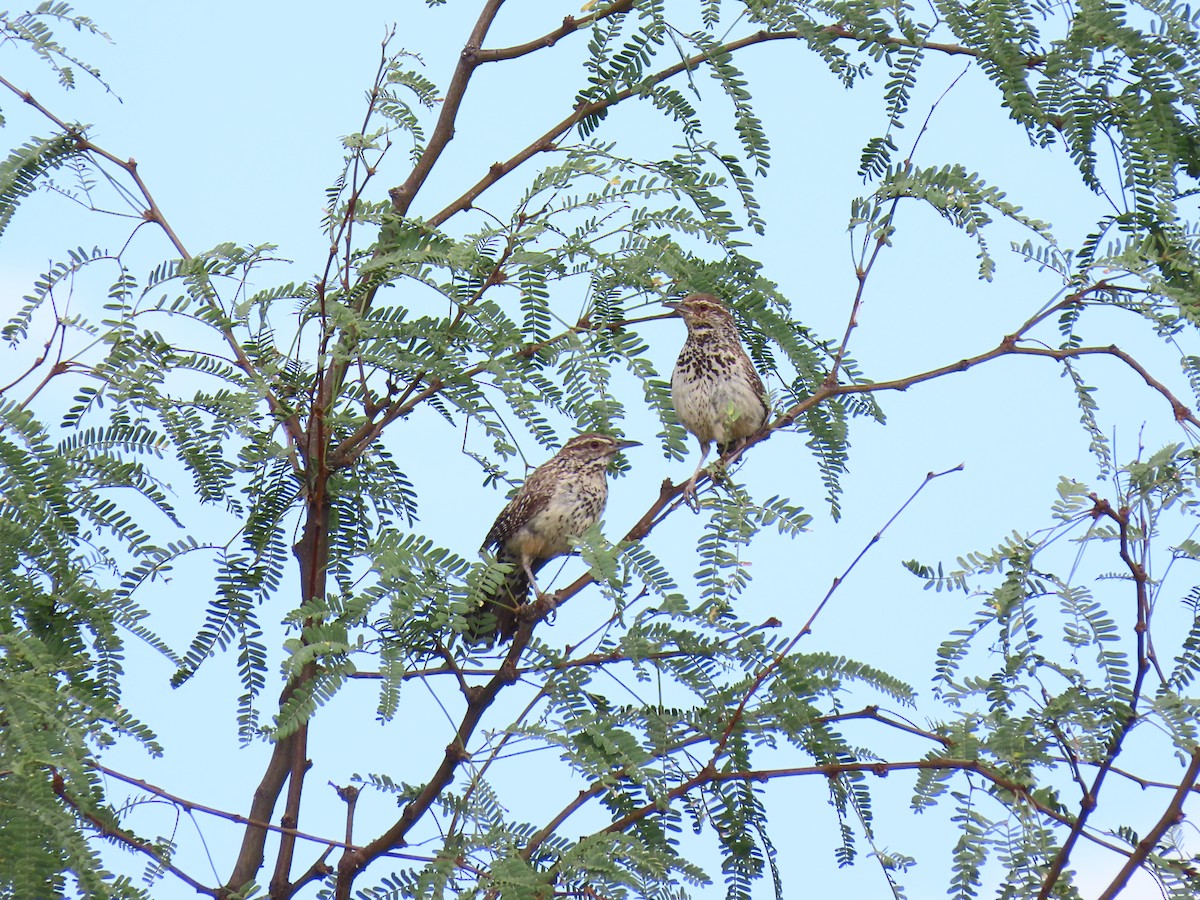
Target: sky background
<point x="235" y="112"/>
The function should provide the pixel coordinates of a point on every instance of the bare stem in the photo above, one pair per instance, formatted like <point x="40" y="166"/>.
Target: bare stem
<point x="129" y="840"/>
<point x="1091" y="795"/>
<point x="152" y="213"/>
<point x="1173" y="815"/>
<point x="763" y="674"/>
<point x="192" y="806"/>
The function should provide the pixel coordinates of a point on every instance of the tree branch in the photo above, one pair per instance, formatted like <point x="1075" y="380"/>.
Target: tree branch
<point x="569" y="26"/>
<point x="709" y="775"/>
<point x="479" y="699"/>
<point x="596" y="788"/>
<point x="152" y="213"/>
<point x="1172" y="816"/>
<point x="58" y="785"/>
<point x="591" y="659"/>
<point x="403" y="195"/>
<point x="547" y="141"/>
<point x="1091" y="795"/>
<point x="192" y="806"/>
<point x="262" y="807"/>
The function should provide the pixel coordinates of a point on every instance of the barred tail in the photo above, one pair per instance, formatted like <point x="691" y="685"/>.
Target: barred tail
<point x="497" y="615"/>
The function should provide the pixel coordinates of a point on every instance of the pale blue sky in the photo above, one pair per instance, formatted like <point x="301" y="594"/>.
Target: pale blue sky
<point x="234" y="113"/>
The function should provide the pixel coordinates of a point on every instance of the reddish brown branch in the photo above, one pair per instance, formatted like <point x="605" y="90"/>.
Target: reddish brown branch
<point x="709" y="775"/>
<point x="473" y="55"/>
<point x="841" y="31"/>
<point x="192" y="806"/>
<point x="670" y="492"/>
<point x="570" y="25"/>
<point x="109" y="830"/>
<point x="1172" y="816"/>
<point x="480" y="698"/>
<point x="1091" y="795"/>
<point x="548" y="139"/>
<point x="403" y="195"/>
<point x="152" y="213"/>
<point x="298" y="765"/>
<point x="312" y="553"/>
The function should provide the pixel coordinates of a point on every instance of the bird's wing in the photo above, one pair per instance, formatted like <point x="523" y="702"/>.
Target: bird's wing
<point x="530" y="500"/>
<point x="756" y="383"/>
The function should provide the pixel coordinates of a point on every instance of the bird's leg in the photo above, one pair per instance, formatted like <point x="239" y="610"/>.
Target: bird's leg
<point x="548" y="599"/>
<point x="720" y="469"/>
<point x="526" y="564"/>
<point x="689" y="489"/>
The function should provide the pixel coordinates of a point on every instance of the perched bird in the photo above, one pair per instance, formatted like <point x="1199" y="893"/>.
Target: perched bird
<point x="718" y="395"/>
<point x="560" y="500"/>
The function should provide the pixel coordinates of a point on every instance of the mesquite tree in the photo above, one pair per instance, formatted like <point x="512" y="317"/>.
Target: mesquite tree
<point x="191" y="441"/>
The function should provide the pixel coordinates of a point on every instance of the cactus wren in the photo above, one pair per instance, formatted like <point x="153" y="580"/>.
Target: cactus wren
<point x="718" y="395"/>
<point x="560" y="500"/>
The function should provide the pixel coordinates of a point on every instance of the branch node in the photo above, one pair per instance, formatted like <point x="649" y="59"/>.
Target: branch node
<point x="508" y="673"/>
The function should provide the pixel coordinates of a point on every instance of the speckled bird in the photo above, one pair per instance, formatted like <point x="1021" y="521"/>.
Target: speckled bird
<point x="718" y="395"/>
<point x="559" y="501"/>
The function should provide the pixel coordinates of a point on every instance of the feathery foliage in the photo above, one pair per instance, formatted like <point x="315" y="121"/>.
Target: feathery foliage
<point x="276" y="484"/>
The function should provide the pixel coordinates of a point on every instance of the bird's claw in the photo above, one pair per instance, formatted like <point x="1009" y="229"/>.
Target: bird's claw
<point x="548" y="606"/>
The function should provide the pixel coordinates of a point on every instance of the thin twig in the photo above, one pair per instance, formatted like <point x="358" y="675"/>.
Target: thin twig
<point x="58" y="785"/>
<point x="1173" y="815"/>
<point x="806" y="629"/>
<point x="1091" y="794"/>
<point x="882" y="239"/>
<point x="710" y="775"/>
<point x="592" y="659"/>
<point x="570" y="25"/>
<point x="443" y="131"/>
<point x="192" y="806"/>
<point x="152" y="213"/>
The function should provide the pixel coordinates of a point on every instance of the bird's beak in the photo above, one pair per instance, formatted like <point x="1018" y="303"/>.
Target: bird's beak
<point x="672" y="305"/>
<point x="624" y="445"/>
